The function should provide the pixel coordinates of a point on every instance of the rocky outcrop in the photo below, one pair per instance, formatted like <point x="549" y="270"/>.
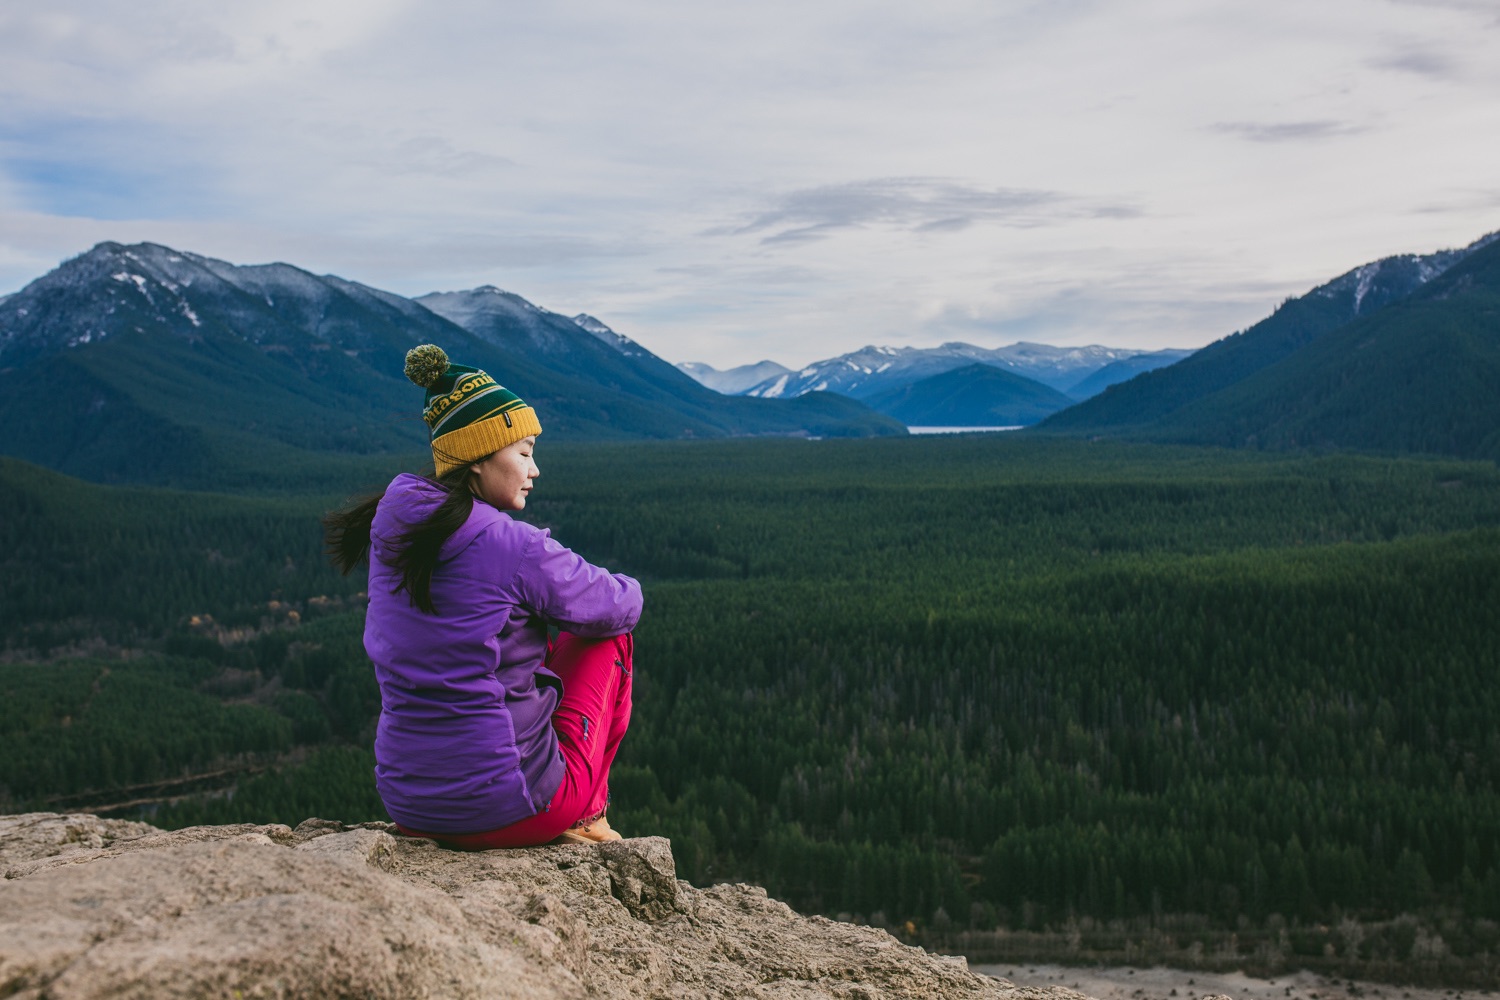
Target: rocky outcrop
<point x="108" y="908"/>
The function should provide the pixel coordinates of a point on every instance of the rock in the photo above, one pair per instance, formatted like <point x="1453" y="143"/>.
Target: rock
<point x="33" y="836"/>
<point x="106" y="908"/>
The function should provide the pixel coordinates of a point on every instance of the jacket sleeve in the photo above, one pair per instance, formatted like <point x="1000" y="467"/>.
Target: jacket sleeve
<point x="573" y="593"/>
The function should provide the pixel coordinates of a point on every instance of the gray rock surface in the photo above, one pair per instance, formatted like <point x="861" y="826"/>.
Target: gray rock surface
<point x="92" y="907"/>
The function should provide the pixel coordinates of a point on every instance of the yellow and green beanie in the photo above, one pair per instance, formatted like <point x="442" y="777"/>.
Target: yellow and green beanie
<point x="469" y="415"/>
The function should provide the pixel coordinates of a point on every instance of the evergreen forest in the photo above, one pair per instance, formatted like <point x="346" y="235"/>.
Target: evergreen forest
<point x="993" y="692"/>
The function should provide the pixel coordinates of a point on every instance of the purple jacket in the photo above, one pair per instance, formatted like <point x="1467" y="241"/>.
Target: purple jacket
<point x="465" y="742"/>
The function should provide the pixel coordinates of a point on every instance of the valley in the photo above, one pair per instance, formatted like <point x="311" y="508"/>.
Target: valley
<point x="963" y="687"/>
<point x="1197" y="672"/>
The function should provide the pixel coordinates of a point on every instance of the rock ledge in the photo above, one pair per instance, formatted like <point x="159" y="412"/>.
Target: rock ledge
<point x="92" y="907"/>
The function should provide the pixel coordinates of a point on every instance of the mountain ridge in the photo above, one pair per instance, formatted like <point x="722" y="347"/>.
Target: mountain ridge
<point x="1136" y="404"/>
<point x="873" y="369"/>
<point x="1124" y="370"/>
<point x="583" y="360"/>
<point x="600" y="329"/>
<point x="1421" y="374"/>
<point x="733" y="381"/>
<point x="977" y="395"/>
<point x="187" y="370"/>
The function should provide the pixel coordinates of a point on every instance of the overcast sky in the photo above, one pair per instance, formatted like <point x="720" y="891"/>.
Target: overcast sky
<point x="733" y="181"/>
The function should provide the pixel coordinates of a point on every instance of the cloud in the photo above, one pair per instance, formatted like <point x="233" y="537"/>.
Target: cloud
<point x="1140" y="302"/>
<point x="432" y="154"/>
<point x="1288" y="131"/>
<point x="966" y="158"/>
<point x="1465" y="203"/>
<point x="916" y="204"/>
<point x="1484" y="8"/>
<point x="952" y="225"/>
<point x="1419" y="60"/>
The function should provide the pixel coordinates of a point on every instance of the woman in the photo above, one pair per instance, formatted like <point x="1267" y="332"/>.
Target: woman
<point x="489" y="734"/>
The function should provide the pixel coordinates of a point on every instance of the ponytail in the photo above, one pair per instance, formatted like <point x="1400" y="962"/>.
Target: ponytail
<point x="346" y="534"/>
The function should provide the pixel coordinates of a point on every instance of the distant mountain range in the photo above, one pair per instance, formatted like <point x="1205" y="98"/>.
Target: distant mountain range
<point x="146" y="364"/>
<point x="1123" y="370"/>
<point x="878" y="376"/>
<point x="1402" y="354"/>
<point x="972" y="396"/>
<point x="733" y="381"/>
<point x="871" y="370"/>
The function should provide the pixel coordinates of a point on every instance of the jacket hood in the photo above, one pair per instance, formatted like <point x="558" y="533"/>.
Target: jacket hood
<point x="407" y="502"/>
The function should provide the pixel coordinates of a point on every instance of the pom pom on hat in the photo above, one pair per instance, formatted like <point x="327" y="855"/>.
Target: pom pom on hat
<point x="425" y="364"/>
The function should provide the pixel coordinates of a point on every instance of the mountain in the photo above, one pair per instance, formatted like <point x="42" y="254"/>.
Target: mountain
<point x="572" y="370"/>
<point x="972" y="396"/>
<point x="148" y="289"/>
<point x="732" y="381"/>
<point x="179" y="368"/>
<point x="1419" y="375"/>
<point x="869" y="370"/>
<point x="146" y="364"/>
<point x="1123" y="370"/>
<point x="618" y="341"/>
<point x="1297" y="322"/>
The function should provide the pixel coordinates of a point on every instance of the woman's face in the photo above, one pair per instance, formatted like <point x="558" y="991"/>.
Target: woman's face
<point x="504" y="479"/>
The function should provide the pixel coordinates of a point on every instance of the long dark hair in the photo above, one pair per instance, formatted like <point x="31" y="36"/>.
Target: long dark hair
<point x="346" y="535"/>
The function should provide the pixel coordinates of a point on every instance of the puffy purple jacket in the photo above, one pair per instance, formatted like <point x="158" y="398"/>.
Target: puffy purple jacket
<point x="465" y="742"/>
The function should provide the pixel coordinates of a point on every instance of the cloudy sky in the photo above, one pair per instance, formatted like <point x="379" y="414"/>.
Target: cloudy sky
<point x="734" y="181"/>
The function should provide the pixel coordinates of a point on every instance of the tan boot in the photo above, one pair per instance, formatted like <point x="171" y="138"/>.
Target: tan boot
<point x="596" y="831"/>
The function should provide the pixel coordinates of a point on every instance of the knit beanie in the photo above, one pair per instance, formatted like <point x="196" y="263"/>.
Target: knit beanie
<point x="469" y="415"/>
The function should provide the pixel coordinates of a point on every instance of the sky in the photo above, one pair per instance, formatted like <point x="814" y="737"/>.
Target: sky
<point x="727" y="182"/>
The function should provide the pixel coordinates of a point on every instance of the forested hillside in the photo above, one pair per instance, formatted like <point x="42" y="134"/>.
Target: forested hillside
<point x="143" y="364"/>
<point x="970" y="684"/>
<point x="80" y="561"/>
<point x="972" y="396"/>
<point x="1241" y="372"/>
<point x="1421" y="375"/>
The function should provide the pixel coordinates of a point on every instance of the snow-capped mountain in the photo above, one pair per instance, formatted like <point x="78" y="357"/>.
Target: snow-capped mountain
<point x="733" y="381"/>
<point x="1379" y="283"/>
<point x="618" y="341"/>
<point x="863" y="373"/>
<point x="148" y="289"/>
<point x="498" y="316"/>
<point x="183" y="369"/>
<point x="1179" y="393"/>
<point x="589" y="351"/>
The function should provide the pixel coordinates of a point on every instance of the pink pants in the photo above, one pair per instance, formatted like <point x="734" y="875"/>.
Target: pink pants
<point x="590" y="721"/>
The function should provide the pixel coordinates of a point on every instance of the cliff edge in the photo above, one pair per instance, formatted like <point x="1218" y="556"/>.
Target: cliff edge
<point x="94" y="907"/>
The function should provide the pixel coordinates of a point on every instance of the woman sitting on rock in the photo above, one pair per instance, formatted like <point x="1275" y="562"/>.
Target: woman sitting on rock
<point x="490" y="735"/>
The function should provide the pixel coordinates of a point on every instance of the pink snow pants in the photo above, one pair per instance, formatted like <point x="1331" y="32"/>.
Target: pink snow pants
<point x="590" y="721"/>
